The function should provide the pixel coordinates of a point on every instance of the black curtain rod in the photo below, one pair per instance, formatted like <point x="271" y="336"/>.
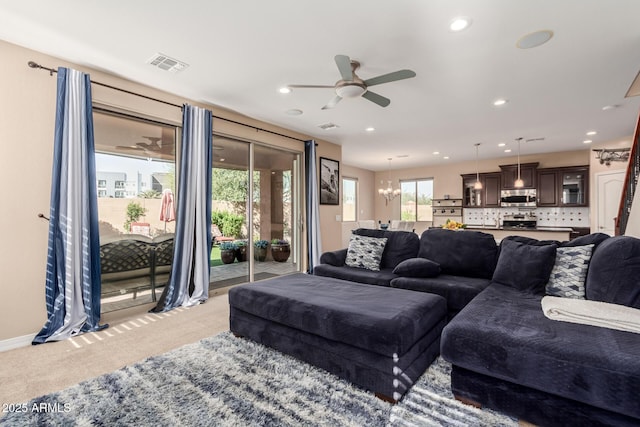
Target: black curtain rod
<point x="33" y="64"/>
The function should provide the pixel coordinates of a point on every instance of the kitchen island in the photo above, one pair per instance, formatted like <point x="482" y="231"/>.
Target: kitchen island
<point x="540" y="233"/>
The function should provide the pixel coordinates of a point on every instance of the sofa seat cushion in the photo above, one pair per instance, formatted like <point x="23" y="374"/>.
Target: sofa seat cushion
<point x="457" y="290"/>
<point x="460" y="253"/>
<point x="503" y="333"/>
<point x="355" y="274"/>
<point x="382" y="320"/>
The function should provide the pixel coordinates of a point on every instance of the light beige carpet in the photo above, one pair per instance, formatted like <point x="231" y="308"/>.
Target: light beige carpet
<point x="133" y="335"/>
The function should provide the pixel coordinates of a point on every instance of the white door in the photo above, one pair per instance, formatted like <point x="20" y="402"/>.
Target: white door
<point x="609" y="190"/>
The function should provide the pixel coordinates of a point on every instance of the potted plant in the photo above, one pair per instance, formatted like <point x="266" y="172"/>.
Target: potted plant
<point x="280" y="250"/>
<point x="260" y="250"/>
<point x="241" y="250"/>
<point x="228" y="252"/>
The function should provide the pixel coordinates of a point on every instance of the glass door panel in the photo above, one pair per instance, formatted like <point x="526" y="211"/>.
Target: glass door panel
<point x="230" y="216"/>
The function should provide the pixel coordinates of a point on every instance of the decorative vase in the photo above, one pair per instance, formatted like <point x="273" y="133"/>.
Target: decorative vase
<point x="241" y="253"/>
<point x="227" y="256"/>
<point x="260" y="254"/>
<point x="280" y="253"/>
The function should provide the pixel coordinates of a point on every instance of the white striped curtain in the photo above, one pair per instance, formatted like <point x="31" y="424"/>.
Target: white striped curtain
<point x="189" y="281"/>
<point x="314" y="243"/>
<point x="73" y="261"/>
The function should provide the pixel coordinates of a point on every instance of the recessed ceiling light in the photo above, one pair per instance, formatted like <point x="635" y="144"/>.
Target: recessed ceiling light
<point x="446" y="157"/>
<point x="370" y="129"/>
<point x="502" y="144"/>
<point x="222" y="159"/>
<point x="284" y="90"/>
<point x="508" y="150"/>
<point x="587" y="141"/>
<point x="435" y="153"/>
<point x="459" y="23"/>
<point x="534" y="39"/>
<point x="500" y="102"/>
<point x="610" y="107"/>
<point x="294" y="112"/>
<point x="402" y="156"/>
<point x="591" y="133"/>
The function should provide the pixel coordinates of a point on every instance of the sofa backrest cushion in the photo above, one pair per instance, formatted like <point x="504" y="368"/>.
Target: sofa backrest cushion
<point x="524" y="266"/>
<point x="590" y="239"/>
<point x="400" y="245"/>
<point x="460" y="253"/>
<point x="614" y="272"/>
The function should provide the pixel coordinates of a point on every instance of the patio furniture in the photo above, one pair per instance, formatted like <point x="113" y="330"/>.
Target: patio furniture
<point x="218" y="237"/>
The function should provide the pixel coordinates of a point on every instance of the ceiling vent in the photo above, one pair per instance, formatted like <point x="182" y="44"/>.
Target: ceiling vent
<point x="328" y="126"/>
<point x="167" y="63"/>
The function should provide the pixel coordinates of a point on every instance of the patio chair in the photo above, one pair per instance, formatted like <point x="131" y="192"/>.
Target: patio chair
<point x="217" y="235"/>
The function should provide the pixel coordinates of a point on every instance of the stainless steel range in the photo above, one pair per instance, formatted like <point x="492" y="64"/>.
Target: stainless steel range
<point x="520" y="221"/>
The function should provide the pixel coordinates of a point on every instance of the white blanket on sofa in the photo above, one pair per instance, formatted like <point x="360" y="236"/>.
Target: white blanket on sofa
<point x="595" y="313"/>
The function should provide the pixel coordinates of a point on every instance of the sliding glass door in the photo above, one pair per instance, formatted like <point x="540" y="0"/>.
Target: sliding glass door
<point x="255" y="203"/>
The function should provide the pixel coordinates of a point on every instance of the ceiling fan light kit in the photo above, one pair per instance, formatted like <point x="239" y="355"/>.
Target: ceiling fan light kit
<point x="352" y="86"/>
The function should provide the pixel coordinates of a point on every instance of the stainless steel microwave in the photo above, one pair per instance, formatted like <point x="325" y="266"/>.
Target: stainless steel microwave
<point x="521" y="198"/>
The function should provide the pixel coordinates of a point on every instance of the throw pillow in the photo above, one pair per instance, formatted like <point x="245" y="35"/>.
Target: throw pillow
<point x="570" y="271"/>
<point x="417" y="267"/>
<point x="524" y="267"/>
<point x="365" y="252"/>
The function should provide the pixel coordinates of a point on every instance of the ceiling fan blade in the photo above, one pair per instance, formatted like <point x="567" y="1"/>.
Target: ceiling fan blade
<point x="376" y="99"/>
<point x="310" y="87"/>
<point x="344" y="66"/>
<point x="332" y="103"/>
<point x="391" y="77"/>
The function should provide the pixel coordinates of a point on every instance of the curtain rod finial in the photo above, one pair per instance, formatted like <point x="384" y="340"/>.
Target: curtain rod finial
<point x="33" y="64"/>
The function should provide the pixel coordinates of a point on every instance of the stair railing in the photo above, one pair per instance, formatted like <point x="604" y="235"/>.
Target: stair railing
<point x="630" y="183"/>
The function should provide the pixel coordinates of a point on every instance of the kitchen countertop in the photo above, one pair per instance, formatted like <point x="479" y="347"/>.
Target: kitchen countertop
<point x="492" y="227"/>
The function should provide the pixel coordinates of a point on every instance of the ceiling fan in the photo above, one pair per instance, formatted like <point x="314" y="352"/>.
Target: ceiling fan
<point x="155" y="145"/>
<point x="352" y="86"/>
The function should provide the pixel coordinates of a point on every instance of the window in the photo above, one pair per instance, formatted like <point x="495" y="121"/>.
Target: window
<point x="349" y="199"/>
<point x="129" y="152"/>
<point x="415" y="200"/>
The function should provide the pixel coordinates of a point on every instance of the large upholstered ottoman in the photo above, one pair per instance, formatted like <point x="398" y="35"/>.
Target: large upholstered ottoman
<point x="379" y="338"/>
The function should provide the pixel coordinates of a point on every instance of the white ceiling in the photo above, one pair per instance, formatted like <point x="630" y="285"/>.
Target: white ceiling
<point x="241" y="52"/>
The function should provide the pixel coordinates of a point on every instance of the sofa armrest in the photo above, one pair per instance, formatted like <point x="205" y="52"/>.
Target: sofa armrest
<point x="336" y="258"/>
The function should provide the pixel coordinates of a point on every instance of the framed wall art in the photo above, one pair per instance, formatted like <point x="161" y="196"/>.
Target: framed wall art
<point x="329" y="181"/>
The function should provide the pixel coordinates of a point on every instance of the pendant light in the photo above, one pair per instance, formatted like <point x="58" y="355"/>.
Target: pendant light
<point x="478" y="184"/>
<point x="519" y="182"/>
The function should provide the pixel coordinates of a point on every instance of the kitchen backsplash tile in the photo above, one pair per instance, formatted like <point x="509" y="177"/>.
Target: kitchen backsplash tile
<point x="546" y="217"/>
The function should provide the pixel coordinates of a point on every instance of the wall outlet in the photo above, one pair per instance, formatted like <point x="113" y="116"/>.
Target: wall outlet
<point x="338" y="217"/>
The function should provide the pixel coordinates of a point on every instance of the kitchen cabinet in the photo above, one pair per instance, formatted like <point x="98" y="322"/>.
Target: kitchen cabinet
<point x="527" y="174"/>
<point x="487" y="197"/>
<point x="563" y="187"/>
<point x="548" y="187"/>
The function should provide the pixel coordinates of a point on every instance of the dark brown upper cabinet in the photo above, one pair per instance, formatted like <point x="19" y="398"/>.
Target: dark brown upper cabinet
<point x="487" y="197"/>
<point x="563" y="187"/>
<point x="528" y="173"/>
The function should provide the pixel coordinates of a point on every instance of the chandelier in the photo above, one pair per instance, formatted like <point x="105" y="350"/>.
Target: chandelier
<point x="388" y="193"/>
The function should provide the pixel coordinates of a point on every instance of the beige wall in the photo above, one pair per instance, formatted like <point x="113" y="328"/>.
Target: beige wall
<point x="27" y="114"/>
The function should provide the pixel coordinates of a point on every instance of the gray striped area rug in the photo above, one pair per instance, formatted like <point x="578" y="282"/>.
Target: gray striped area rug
<point x="228" y="381"/>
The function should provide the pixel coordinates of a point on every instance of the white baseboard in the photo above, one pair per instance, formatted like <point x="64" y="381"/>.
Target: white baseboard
<point x="16" y="342"/>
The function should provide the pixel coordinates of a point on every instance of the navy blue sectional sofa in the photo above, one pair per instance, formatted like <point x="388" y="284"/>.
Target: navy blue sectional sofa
<point x="456" y="265"/>
<point x="506" y="354"/>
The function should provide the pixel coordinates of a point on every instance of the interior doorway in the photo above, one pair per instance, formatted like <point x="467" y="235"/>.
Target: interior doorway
<point x="608" y="192"/>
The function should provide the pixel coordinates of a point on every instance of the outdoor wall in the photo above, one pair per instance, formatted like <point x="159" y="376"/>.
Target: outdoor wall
<point x="27" y="111"/>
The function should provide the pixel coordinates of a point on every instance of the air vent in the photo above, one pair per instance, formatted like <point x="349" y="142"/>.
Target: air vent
<point x="328" y="126"/>
<point x="167" y="63"/>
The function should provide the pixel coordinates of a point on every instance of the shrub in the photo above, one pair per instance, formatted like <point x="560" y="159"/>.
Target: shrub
<point x="230" y="224"/>
<point x="261" y="244"/>
<point x="279" y="242"/>
<point x="134" y="212"/>
<point x="228" y="246"/>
